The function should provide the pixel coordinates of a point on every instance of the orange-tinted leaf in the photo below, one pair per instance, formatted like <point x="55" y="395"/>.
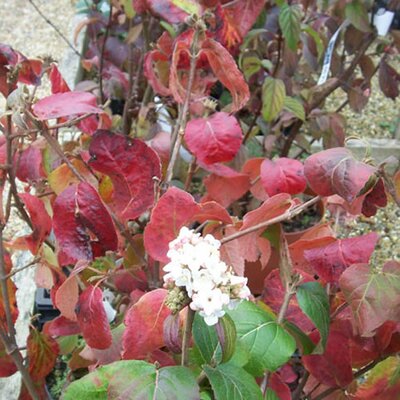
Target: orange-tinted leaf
<point x="66" y="105"/>
<point x="336" y="171"/>
<point x="271" y="208"/>
<point x="252" y="167"/>
<point x="214" y="139"/>
<point x="92" y="318"/>
<point x="374" y="297"/>
<point x="174" y="209"/>
<point x="42" y="353"/>
<point x="144" y="325"/>
<point x="212" y="211"/>
<point x="227" y="72"/>
<point x="62" y="177"/>
<point x="67" y="296"/>
<point x="227" y="188"/>
<point x="283" y="175"/>
<point x="131" y="166"/>
<point x="78" y="210"/>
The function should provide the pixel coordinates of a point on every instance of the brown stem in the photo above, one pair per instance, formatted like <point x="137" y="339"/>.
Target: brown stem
<point x="16" y="270"/>
<point x="179" y="129"/>
<point x="284" y="217"/>
<point x="187" y="332"/>
<point x="189" y="177"/>
<point x="103" y="49"/>
<point x="299" y="389"/>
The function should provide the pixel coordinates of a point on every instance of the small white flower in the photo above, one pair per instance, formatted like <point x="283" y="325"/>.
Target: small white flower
<point x="196" y="266"/>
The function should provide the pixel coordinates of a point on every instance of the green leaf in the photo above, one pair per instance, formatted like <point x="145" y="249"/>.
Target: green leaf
<point x="289" y="21"/>
<point x="135" y="379"/>
<point x="306" y="345"/>
<point x="295" y="106"/>
<point x="314" y="302"/>
<point x="232" y="383"/>
<point x="128" y="7"/>
<point x="229" y="340"/>
<point x="250" y="65"/>
<point x="273" y="97"/>
<point x="206" y="340"/>
<point x="268" y="344"/>
<point x="356" y="13"/>
<point x="271" y="395"/>
<point x="317" y="39"/>
<point x="189" y="6"/>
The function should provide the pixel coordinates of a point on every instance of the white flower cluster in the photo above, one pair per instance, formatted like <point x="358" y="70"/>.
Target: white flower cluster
<point x="196" y="266"/>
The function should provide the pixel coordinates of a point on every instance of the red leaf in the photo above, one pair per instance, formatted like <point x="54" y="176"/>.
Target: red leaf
<point x="214" y="139"/>
<point x="283" y="175"/>
<point x="66" y="105"/>
<point x="78" y="210"/>
<point x="228" y="188"/>
<point x="374" y="199"/>
<point x="271" y="208"/>
<point x="92" y="318"/>
<point x="329" y="262"/>
<point x="244" y="14"/>
<point x="333" y="368"/>
<point x="58" y="84"/>
<point x="227" y="72"/>
<point x="212" y="211"/>
<point x="373" y="296"/>
<point x="41" y="221"/>
<point x="280" y="388"/>
<point x="335" y="171"/>
<point x="144" y="325"/>
<point x="7" y="365"/>
<point x="67" y="296"/>
<point x="131" y="166"/>
<point x="30" y="164"/>
<point x="174" y="209"/>
<point x="61" y="326"/>
<point x="42" y="354"/>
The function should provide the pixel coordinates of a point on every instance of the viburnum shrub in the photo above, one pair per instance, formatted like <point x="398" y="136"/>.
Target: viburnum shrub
<point x="159" y="194"/>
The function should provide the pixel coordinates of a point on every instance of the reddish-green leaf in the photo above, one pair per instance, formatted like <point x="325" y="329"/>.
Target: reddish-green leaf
<point x="131" y="166"/>
<point x="174" y="209"/>
<point x="144" y="325"/>
<point x="329" y="262"/>
<point x="42" y="354"/>
<point x="214" y="139"/>
<point x="41" y="221"/>
<point x="79" y="210"/>
<point x="92" y="318"/>
<point x="66" y="105"/>
<point x="284" y="175"/>
<point x="388" y="80"/>
<point x="336" y="171"/>
<point x="374" y="296"/>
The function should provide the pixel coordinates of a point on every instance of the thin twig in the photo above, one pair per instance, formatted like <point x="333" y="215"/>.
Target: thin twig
<point x="299" y="389"/>
<point x="179" y="128"/>
<point x="62" y="36"/>
<point x="16" y="270"/>
<point x="186" y="335"/>
<point x="284" y="217"/>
